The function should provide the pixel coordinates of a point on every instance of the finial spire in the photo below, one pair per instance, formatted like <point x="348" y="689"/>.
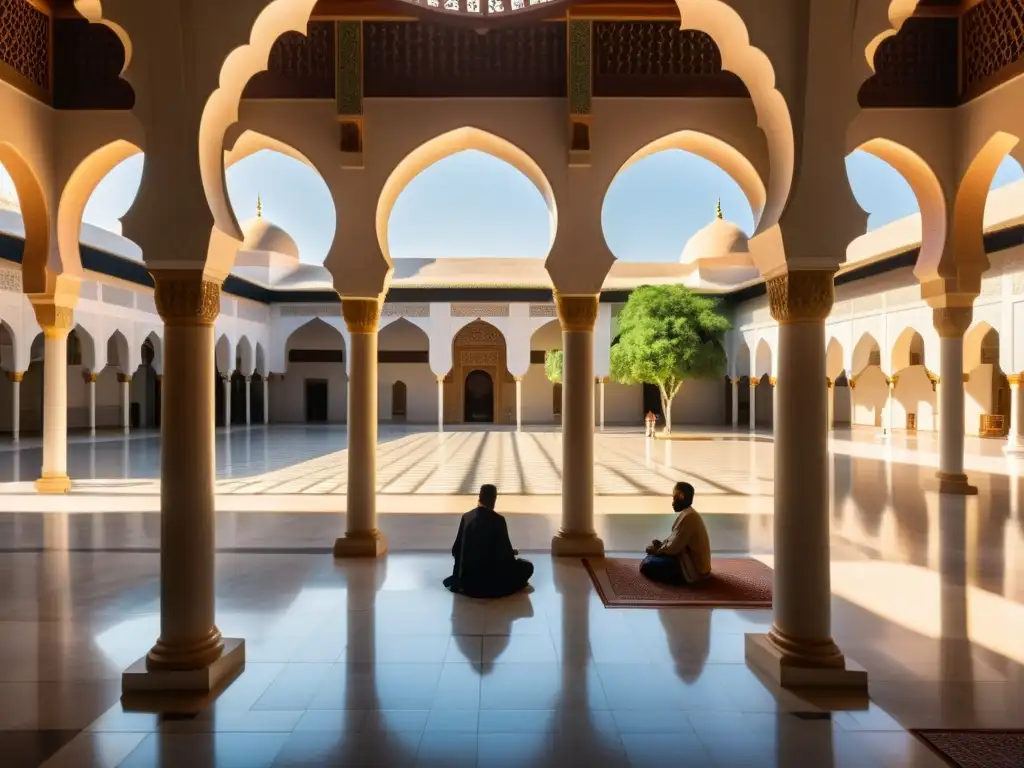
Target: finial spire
<point x="259" y="206"/>
<point x="718" y="209"/>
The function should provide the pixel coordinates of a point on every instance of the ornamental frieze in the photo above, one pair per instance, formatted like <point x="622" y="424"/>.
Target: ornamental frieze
<point x="543" y="310"/>
<point x="10" y="280"/>
<point x="311" y="310"/>
<point x="406" y="310"/>
<point x="479" y="357"/>
<point x="479" y="310"/>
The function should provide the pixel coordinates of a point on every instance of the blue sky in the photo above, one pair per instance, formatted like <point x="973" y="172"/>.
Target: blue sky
<point x="472" y="204"/>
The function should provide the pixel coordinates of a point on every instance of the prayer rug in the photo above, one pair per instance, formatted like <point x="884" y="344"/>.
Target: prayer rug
<point x="735" y="582"/>
<point x="976" y="748"/>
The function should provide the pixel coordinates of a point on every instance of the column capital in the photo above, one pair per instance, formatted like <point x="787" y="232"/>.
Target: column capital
<point x="951" y="322"/>
<point x="893" y="380"/>
<point x="773" y="380"/>
<point x="828" y="383"/>
<point x="55" y="320"/>
<point x="803" y="296"/>
<point x="186" y="297"/>
<point x="852" y="383"/>
<point x="124" y="378"/>
<point x="15" y="377"/>
<point x="967" y="377"/>
<point x="248" y="379"/>
<point x="1014" y="380"/>
<point x="361" y="315"/>
<point x="754" y="382"/>
<point x="517" y="379"/>
<point x="735" y="380"/>
<point x="576" y="313"/>
<point x="89" y="377"/>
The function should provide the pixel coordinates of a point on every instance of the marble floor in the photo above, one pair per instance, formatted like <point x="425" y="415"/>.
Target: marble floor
<point x="373" y="663"/>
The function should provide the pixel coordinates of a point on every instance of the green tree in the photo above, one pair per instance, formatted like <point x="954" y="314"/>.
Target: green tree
<point x="668" y="334"/>
<point x="554" y="359"/>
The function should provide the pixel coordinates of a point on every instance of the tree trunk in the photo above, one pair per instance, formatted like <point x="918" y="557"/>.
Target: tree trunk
<point x="666" y="409"/>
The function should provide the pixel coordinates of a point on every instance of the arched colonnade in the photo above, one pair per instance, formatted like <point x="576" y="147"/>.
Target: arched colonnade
<point x="801" y="127"/>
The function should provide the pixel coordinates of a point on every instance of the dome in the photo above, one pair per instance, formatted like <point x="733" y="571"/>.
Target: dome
<point x="261" y="235"/>
<point x="717" y="240"/>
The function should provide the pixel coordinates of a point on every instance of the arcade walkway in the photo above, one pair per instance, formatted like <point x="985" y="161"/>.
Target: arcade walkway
<point x="356" y="662"/>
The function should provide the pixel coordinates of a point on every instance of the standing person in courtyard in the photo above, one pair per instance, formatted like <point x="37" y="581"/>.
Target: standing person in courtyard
<point x="685" y="556"/>
<point x="486" y="565"/>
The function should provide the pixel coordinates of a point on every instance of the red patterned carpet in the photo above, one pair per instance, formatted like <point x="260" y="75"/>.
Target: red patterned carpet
<point x="738" y="582"/>
<point x="977" y="749"/>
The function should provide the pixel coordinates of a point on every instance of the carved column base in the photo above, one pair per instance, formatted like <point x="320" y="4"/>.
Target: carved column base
<point x="567" y="544"/>
<point x="815" y="666"/>
<point x="361" y="544"/>
<point x="53" y="483"/>
<point x="143" y="677"/>
<point x="955" y="484"/>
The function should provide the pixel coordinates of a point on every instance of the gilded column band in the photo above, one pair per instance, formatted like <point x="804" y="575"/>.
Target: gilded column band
<point x="801" y="296"/>
<point x="56" y="321"/>
<point x="186" y="297"/>
<point x="361" y="315"/>
<point x="576" y="313"/>
<point x="15" y="377"/>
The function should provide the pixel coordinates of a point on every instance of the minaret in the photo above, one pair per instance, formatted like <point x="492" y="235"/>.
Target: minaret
<point x="718" y="209"/>
<point x="259" y="207"/>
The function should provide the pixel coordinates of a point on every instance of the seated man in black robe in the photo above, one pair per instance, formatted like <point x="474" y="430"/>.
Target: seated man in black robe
<point x="485" y="563"/>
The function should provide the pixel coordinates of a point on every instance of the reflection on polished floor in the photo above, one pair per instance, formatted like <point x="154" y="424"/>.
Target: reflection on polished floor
<point x="374" y="663"/>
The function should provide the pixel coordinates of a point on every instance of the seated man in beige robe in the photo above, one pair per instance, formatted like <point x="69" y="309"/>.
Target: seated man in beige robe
<point x="685" y="556"/>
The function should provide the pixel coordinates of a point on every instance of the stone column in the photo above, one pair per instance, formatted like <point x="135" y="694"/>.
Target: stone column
<point x="90" y="386"/>
<point x="266" y="398"/>
<point x="936" y="386"/>
<point x="952" y="323"/>
<point x="56" y="323"/>
<point x="1013" y="442"/>
<point x="226" y="384"/>
<point x="15" y="378"/>
<point x="362" y="538"/>
<point x="887" y="418"/>
<point x="519" y="403"/>
<point x="772" y="381"/>
<point x="799" y="651"/>
<point x="600" y="405"/>
<point x="753" y="402"/>
<point x="440" y="403"/>
<point x="735" y="401"/>
<point x="248" y="400"/>
<point x="125" y="380"/>
<point x="576" y="537"/>
<point x="830" y="411"/>
<point x="190" y="653"/>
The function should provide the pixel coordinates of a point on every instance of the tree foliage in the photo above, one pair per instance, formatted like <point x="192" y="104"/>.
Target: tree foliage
<point x="668" y="334"/>
<point x="554" y="360"/>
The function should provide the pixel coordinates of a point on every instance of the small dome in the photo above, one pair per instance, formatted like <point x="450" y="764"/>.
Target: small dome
<point x="718" y="239"/>
<point x="261" y="235"/>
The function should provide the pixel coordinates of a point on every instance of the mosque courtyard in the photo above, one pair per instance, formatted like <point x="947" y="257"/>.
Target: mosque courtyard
<point x="356" y="662"/>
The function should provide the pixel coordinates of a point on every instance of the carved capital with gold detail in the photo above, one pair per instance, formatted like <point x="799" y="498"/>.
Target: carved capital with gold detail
<point x="952" y="322"/>
<point x="361" y="315"/>
<point x="754" y="383"/>
<point x="186" y="297"/>
<point x="576" y="313"/>
<point x="967" y="377"/>
<point x="772" y="380"/>
<point x="892" y="381"/>
<point x="89" y="377"/>
<point x="853" y="383"/>
<point x="828" y="383"/>
<point x="15" y="377"/>
<point x="55" y="320"/>
<point x="735" y="381"/>
<point x="124" y="378"/>
<point x="802" y="296"/>
<point x="1013" y="379"/>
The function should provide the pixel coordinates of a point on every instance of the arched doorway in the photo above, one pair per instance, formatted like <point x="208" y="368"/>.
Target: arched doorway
<point x="479" y="398"/>
<point x="398" y="400"/>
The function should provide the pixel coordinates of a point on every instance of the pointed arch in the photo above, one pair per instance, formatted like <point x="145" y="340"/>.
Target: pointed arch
<point x="118" y="353"/>
<point x="245" y="357"/>
<point x="157" y="343"/>
<point x="87" y="344"/>
<point x="261" y="360"/>
<point x="38" y="274"/>
<point x="977" y="341"/>
<point x="448" y="144"/>
<point x="224" y="354"/>
<point x="908" y="350"/>
<point x="763" y="359"/>
<point x="391" y="332"/>
<point x="742" y="363"/>
<point x="726" y="27"/>
<point x="8" y="348"/>
<point x="866" y="352"/>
